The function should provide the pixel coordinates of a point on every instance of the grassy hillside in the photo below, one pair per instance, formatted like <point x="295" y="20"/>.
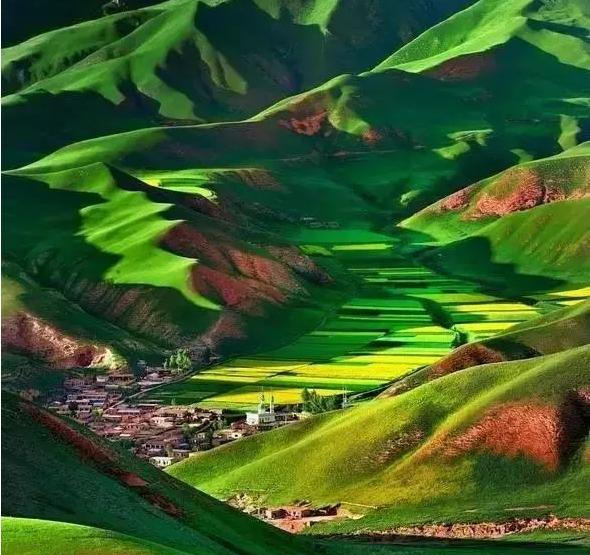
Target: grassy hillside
<point x="209" y="274"/>
<point x="66" y="474"/>
<point x="489" y="438"/>
<point x="464" y="44"/>
<point x="522" y="187"/>
<point x="169" y="64"/>
<point x="559" y="330"/>
<point x="65" y="492"/>
<point x="225" y="228"/>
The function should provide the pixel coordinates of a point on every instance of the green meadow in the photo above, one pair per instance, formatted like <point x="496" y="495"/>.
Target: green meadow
<point x="403" y="317"/>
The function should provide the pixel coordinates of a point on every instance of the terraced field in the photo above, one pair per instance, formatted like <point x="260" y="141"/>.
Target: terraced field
<point x="404" y="316"/>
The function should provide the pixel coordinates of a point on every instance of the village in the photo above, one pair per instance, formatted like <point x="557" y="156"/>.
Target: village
<point x="114" y="406"/>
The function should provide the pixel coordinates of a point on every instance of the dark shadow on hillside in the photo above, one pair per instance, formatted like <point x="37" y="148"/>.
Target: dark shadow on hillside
<point x="41" y="122"/>
<point x="42" y="232"/>
<point x="472" y="259"/>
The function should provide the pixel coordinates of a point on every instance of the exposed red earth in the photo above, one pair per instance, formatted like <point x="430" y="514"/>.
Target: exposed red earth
<point x="26" y="333"/>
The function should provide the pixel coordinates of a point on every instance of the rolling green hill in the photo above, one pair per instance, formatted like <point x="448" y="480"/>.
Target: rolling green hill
<point x="196" y="235"/>
<point x="66" y="492"/>
<point x="527" y="221"/>
<point x="65" y="474"/>
<point x="315" y="193"/>
<point x="489" y="438"/>
<point x="559" y="330"/>
<point x="171" y="64"/>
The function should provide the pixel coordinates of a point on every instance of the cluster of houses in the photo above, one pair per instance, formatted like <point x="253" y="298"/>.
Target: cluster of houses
<point x="162" y="434"/>
<point x="88" y="396"/>
<point x="295" y="518"/>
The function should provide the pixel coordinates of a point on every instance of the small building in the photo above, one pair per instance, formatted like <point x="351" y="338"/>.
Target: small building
<point x="162" y="421"/>
<point x="262" y="418"/>
<point x="180" y="453"/>
<point x="161" y="461"/>
<point x="274" y="513"/>
<point x="155" y="445"/>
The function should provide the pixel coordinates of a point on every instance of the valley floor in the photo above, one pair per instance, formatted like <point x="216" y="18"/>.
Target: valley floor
<point x="403" y="317"/>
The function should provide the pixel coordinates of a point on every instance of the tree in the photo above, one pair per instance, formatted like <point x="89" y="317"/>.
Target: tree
<point x="315" y="403"/>
<point x="179" y="361"/>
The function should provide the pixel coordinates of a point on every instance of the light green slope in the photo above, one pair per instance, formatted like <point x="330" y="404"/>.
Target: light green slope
<point x="559" y="330"/>
<point x="68" y="492"/>
<point x="550" y="26"/>
<point x="54" y="470"/>
<point x="31" y="536"/>
<point x="518" y="188"/>
<point x="399" y="452"/>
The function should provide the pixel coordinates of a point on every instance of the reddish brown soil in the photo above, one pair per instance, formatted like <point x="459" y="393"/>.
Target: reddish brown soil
<point x="28" y="334"/>
<point x="87" y="449"/>
<point x="528" y="193"/>
<point x="371" y="137"/>
<point x="162" y="503"/>
<point x="132" y="480"/>
<point x="105" y="459"/>
<point x="515" y="190"/>
<point x="464" y="68"/>
<point x="205" y="206"/>
<point x="185" y="240"/>
<point x="456" y="201"/>
<point x="480" y="530"/>
<point x="234" y="292"/>
<point x="265" y="270"/>
<point x="309" y="124"/>
<point x="463" y="357"/>
<point x="544" y="433"/>
<point x="227" y="326"/>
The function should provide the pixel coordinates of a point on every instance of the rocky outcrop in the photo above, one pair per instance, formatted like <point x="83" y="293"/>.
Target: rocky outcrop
<point x="27" y="334"/>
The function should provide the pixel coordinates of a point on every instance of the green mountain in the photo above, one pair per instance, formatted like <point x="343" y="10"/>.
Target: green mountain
<point x="68" y="492"/>
<point x="65" y="474"/>
<point x="359" y="194"/>
<point x="489" y="434"/>
<point x="169" y="64"/>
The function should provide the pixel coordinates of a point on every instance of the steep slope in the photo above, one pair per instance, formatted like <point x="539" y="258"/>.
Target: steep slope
<point x="42" y="324"/>
<point x="168" y="267"/>
<point x="492" y="437"/>
<point x="221" y="224"/>
<point x="66" y="474"/>
<point x="66" y="492"/>
<point x="169" y="64"/>
<point x="561" y="329"/>
<point x="558" y="178"/>
<point x="464" y="45"/>
<point x="530" y="220"/>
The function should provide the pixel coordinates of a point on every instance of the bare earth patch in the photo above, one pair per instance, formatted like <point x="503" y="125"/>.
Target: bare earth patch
<point x="543" y="433"/>
<point x="463" y="357"/>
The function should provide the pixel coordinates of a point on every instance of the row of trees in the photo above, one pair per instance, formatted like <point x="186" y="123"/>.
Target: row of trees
<point x="179" y="361"/>
<point x="315" y="403"/>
